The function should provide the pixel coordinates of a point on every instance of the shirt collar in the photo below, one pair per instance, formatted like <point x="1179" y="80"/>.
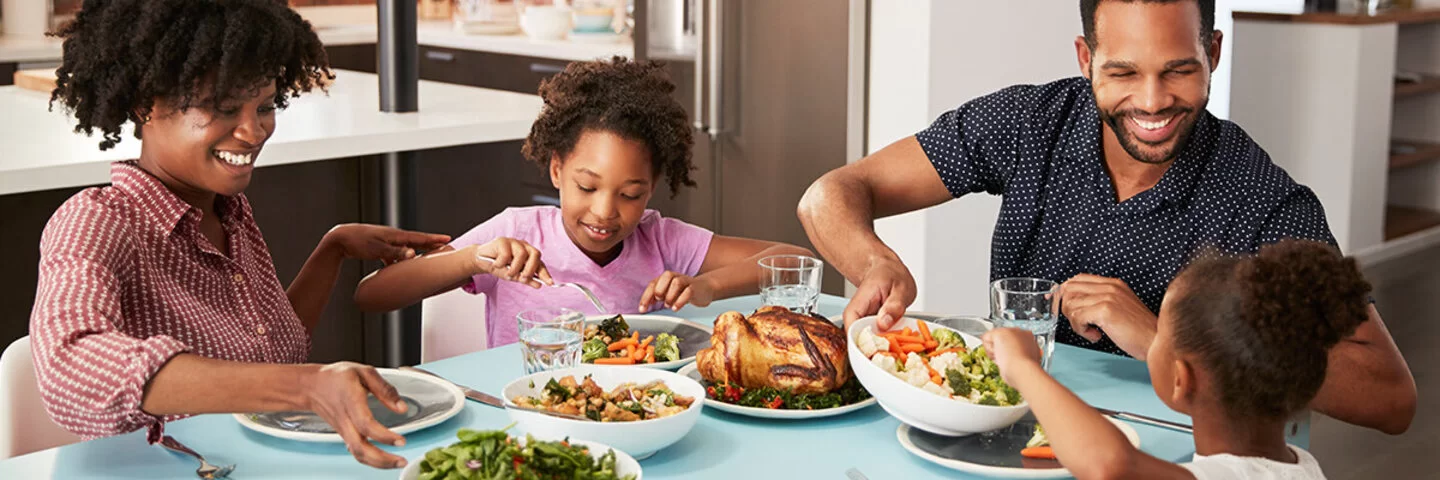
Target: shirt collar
<point x="160" y="205"/>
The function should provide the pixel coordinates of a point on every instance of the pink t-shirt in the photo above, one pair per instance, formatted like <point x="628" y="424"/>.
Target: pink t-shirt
<point x="658" y="244"/>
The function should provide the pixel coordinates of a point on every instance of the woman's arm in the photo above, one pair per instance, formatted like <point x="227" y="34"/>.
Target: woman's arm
<point x="446" y="269"/>
<point x="311" y="288"/>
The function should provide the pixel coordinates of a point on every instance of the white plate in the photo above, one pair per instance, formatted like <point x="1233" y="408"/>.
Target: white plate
<point x="624" y="464"/>
<point x="776" y="413"/>
<point x="904" y="431"/>
<point x="430" y="400"/>
<point x="693" y="336"/>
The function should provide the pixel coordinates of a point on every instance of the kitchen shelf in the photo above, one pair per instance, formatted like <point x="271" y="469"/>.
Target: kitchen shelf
<point x="1427" y="84"/>
<point x="1425" y="152"/>
<point x="1401" y="221"/>
<point x="1400" y="16"/>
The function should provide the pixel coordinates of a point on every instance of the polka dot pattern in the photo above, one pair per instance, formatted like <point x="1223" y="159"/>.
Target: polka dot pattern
<point x="127" y="281"/>
<point x="1038" y="147"/>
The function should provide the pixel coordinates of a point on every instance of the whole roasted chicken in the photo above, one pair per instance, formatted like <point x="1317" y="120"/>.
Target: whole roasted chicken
<point x="776" y="348"/>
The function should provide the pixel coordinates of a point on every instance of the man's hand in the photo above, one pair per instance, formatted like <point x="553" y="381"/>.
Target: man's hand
<point x="886" y="288"/>
<point x="1094" y="303"/>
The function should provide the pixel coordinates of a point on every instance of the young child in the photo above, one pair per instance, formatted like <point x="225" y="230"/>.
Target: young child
<point x="1241" y="346"/>
<point x="609" y="133"/>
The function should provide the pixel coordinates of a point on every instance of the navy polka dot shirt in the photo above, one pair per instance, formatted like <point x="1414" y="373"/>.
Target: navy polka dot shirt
<point x="1038" y="146"/>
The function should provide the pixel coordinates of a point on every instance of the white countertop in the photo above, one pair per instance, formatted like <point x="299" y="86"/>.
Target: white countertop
<point x="41" y="153"/>
<point x="354" y="25"/>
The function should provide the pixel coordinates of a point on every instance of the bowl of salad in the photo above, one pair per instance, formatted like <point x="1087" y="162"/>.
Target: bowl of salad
<point x="932" y="378"/>
<point x="637" y="410"/>
<point x="496" y="454"/>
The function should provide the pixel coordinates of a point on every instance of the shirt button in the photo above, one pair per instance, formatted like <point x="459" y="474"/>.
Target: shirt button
<point x="260" y="330"/>
<point x="239" y="278"/>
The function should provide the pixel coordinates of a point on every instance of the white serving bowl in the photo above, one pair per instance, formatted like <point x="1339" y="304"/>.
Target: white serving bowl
<point x="624" y="464"/>
<point x="919" y="408"/>
<point x="639" y="439"/>
<point x="545" y="22"/>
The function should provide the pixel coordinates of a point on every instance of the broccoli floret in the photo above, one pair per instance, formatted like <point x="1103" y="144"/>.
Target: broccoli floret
<point x="594" y="348"/>
<point x="1011" y="394"/>
<point x="958" y="383"/>
<point x="947" y="338"/>
<point x="554" y="388"/>
<point x="615" y="327"/>
<point x="988" y="398"/>
<point x="1039" y="438"/>
<point x="667" y="348"/>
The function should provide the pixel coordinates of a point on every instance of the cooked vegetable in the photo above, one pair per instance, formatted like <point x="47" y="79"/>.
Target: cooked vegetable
<point x="626" y="403"/>
<point x="1039" y="439"/>
<point x="774" y="398"/>
<point x="594" y="348"/>
<point x="555" y="389"/>
<point x="1038" y="452"/>
<point x="948" y="339"/>
<point x="667" y="348"/>
<point x="615" y="327"/>
<point x="494" y="455"/>
<point x="959" y="385"/>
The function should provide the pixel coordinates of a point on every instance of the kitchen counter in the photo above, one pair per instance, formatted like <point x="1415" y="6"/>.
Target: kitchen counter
<point x="42" y="153"/>
<point x="355" y="25"/>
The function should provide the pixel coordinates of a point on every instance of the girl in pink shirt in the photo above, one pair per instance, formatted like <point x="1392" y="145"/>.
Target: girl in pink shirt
<point x="609" y="133"/>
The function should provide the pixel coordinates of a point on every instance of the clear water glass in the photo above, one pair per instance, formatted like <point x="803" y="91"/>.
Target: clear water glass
<point x="791" y="281"/>
<point x="1027" y="304"/>
<point x="550" y="338"/>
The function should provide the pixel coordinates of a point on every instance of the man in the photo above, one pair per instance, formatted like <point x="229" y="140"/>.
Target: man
<point x="1110" y="182"/>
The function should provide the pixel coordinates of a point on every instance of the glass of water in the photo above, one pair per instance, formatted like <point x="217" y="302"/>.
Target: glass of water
<point x="550" y="338"/>
<point x="791" y="281"/>
<point x="1027" y="304"/>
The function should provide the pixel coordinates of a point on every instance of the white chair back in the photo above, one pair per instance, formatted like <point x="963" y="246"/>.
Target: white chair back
<point x="451" y="323"/>
<point x="25" y="427"/>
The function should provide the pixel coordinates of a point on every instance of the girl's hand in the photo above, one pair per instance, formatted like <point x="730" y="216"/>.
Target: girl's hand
<point x="675" y="290"/>
<point x="515" y="261"/>
<point x="1012" y="348"/>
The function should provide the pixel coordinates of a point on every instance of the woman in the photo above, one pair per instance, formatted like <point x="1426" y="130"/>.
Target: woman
<point x="157" y="295"/>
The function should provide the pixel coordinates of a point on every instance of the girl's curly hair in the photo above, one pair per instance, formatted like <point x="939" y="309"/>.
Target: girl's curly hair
<point x="628" y="98"/>
<point x="120" y="56"/>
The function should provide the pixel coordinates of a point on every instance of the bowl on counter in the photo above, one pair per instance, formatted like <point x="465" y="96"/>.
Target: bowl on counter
<point x="545" y="22"/>
<point x="919" y="408"/>
<point x="594" y="20"/>
<point x="640" y="438"/>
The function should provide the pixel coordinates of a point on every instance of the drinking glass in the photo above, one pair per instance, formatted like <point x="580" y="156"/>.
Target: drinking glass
<point x="1028" y="304"/>
<point x="550" y="338"/>
<point x="791" y="281"/>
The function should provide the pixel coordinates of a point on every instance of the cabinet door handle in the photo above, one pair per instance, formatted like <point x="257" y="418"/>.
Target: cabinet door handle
<point x="545" y="200"/>
<point x="546" y="69"/>
<point x="439" y="56"/>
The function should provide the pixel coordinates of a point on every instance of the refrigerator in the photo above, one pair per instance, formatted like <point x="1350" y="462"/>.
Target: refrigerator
<point x="775" y="89"/>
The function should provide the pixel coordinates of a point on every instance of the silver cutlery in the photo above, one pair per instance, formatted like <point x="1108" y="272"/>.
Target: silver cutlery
<point x="854" y="474"/>
<point x="206" y="470"/>
<point x="1152" y="421"/>
<point x="496" y="402"/>
<point x="589" y="295"/>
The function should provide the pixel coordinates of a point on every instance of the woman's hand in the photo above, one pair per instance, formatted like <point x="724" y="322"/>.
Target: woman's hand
<point x="339" y="394"/>
<point x="377" y="242"/>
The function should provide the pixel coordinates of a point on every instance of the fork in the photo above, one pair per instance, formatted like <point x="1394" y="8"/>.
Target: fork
<point x="206" y="470"/>
<point x="589" y="295"/>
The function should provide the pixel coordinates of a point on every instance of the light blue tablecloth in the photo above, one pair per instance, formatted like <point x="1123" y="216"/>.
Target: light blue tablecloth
<point x="722" y="446"/>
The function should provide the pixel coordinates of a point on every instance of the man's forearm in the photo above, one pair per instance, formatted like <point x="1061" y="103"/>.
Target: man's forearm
<point x="838" y="215"/>
<point x="1362" y="388"/>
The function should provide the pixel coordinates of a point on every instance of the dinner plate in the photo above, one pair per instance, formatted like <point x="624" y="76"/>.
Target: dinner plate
<point x="995" y="454"/>
<point x="693" y="337"/>
<point x="775" y="413"/>
<point x="429" y="401"/>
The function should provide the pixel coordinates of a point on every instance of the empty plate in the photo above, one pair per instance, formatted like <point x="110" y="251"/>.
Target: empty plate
<point x="994" y="453"/>
<point x="429" y="401"/>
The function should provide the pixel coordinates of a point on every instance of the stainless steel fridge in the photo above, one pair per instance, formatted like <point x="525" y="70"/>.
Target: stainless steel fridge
<point x="776" y="92"/>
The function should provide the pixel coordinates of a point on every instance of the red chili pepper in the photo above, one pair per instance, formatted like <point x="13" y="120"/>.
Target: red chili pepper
<point x="776" y="403"/>
<point x="710" y="391"/>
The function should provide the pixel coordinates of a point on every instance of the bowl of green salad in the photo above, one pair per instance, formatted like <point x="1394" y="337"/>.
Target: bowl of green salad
<point x="497" y="454"/>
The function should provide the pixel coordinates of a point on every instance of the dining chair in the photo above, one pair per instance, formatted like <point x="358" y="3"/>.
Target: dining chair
<point x="451" y="323"/>
<point x="24" y="425"/>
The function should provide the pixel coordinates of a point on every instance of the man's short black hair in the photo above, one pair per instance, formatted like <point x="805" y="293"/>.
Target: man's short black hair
<point x="1207" y="18"/>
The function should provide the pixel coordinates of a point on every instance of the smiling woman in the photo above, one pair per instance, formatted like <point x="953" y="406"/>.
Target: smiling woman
<point x="155" y="286"/>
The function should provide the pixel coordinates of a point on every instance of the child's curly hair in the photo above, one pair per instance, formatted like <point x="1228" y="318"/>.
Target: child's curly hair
<point x="628" y="98"/>
<point x="1263" y="325"/>
<point x="122" y="55"/>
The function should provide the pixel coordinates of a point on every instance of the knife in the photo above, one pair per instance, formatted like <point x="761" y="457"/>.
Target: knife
<point x="1152" y="421"/>
<point x="494" y="401"/>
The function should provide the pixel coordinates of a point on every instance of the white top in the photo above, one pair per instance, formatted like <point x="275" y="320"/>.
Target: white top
<point x="355" y="25"/>
<point x="42" y="153"/>
<point x="1227" y="466"/>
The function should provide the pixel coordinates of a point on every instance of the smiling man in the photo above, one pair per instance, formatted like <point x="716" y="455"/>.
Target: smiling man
<point x="1110" y="182"/>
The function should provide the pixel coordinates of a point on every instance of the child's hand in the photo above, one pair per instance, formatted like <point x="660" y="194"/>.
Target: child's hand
<point x="515" y="261"/>
<point x="1011" y="348"/>
<point x="675" y="291"/>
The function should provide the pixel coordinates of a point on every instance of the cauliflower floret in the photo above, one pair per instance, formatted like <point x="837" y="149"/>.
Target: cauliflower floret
<point x="917" y="376"/>
<point x="936" y="389"/>
<point x="916" y="362"/>
<point x="869" y="343"/>
<point x="945" y="361"/>
<point x="886" y="363"/>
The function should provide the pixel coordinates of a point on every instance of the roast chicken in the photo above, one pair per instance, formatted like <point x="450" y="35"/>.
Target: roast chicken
<point x="776" y="348"/>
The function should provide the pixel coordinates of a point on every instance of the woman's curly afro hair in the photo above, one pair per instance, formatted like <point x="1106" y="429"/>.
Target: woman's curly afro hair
<point x="120" y="56"/>
<point x="628" y="98"/>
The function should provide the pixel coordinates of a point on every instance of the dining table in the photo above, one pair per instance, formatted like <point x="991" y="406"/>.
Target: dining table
<point x="721" y="445"/>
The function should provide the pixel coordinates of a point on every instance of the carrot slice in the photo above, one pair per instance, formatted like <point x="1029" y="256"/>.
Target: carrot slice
<point x="635" y="335"/>
<point x="942" y="351"/>
<point x="937" y="380"/>
<point x="650" y="354"/>
<point x="620" y="345"/>
<point x="615" y="361"/>
<point x="646" y="341"/>
<point x="931" y="344"/>
<point x="912" y="347"/>
<point x="925" y="331"/>
<point x="1038" y="452"/>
